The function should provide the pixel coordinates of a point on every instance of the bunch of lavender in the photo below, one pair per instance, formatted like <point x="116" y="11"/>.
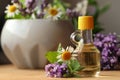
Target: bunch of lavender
<point x="110" y="50"/>
<point x="57" y="70"/>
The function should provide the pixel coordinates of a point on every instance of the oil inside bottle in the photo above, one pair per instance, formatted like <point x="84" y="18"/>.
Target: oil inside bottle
<point x="89" y="58"/>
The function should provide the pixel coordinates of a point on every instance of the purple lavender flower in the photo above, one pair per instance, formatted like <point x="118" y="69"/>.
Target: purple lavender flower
<point x="56" y="70"/>
<point x="44" y="3"/>
<point x="29" y="8"/>
<point x="72" y="14"/>
<point x="118" y="52"/>
<point x="31" y="4"/>
<point x="110" y="50"/>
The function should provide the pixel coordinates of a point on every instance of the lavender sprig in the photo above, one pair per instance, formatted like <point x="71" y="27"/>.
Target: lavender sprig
<point x="110" y="50"/>
<point x="56" y="70"/>
<point x="72" y="14"/>
<point x="31" y="4"/>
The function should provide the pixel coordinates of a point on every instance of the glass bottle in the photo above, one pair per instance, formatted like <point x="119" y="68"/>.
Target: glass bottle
<point x="88" y="54"/>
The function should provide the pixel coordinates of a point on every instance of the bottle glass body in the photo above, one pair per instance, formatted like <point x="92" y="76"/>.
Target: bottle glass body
<point x="88" y="55"/>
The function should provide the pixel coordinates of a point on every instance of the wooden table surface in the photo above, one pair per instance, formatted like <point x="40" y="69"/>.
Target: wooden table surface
<point x="10" y="72"/>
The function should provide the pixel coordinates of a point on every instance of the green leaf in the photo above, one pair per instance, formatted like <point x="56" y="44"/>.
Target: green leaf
<point x="60" y="4"/>
<point x="59" y="47"/>
<point x="92" y="2"/>
<point x="75" y="23"/>
<point x="75" y="65"/>
<point x="6" y="17"/>
<point x="97" y="28"/>
<point x="22" y="1"/>
<point x="15" y="17"/>
<point x="76" y="75"/>
<point x="104" y="9"/>
<point x="18" y="17"/>
<point x="52" y="56"/>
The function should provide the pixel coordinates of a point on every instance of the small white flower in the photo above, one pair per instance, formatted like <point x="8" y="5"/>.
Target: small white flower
<point x="81" y="7"/>
<point x="53" y="13"/>
<point x="12" y="10"/>
<point x="66" y="54"/>
<point x="33" y="16"/>
<point x="37" y="10"/>
<point x="78" y="7"/>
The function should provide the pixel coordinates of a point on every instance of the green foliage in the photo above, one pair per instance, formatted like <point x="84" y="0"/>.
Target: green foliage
<point x="19" y="17"/>
<point x="52" y="56"/>
<point x="74" y="67"/>
<point x="104" y="9"/>
<point x="59" y="4"/>
<point x="75" y="23"/>
<point x="97" y="28"/>
<point x="92" y="2"/>
<point x="22" y="1"/>
<point x="59" y="48"/>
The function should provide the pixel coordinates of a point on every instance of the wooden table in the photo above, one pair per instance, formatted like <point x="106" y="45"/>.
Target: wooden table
<point x="10" y="72"/>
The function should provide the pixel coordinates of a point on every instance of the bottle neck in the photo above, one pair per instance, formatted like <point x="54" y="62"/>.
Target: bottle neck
<point x="87" y="36"/>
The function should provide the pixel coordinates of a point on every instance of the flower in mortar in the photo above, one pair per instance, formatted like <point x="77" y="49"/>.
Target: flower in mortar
<point x="12" y="10"/>
<point x="53" y="12"/>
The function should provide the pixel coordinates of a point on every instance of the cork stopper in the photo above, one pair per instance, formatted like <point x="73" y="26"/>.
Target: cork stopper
<point x="85" y="22"/>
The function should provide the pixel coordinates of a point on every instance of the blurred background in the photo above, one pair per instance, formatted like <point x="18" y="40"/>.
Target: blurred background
<point x="110" y="19"/>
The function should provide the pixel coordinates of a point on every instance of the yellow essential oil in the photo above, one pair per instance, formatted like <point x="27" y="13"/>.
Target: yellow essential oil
<point x="89" y="58"/>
